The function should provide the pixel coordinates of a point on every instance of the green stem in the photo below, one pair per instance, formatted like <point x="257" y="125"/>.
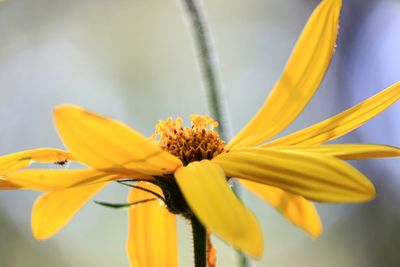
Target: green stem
<point x="199" y="243"/>
<point x="208" y="60"/>
<point x="243" y="261"/>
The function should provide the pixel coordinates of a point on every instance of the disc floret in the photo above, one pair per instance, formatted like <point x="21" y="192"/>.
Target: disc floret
<point x="189" y="144"/>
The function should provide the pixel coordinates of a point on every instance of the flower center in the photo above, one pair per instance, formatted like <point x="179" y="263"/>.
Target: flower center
<point x="189" y="144"/>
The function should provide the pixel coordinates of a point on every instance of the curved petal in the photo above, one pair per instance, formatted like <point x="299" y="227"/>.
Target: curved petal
<point x="6" y="185"/>
<point x="342" y="123"/>
<point x="349" y="151"/>
<point x="104" y="143"/>
<point x="53" y="210"/>
<point x="152" y="237"/>
<point x="203" y="184"/>
<point x="303" y="74"/>
<point x="315" y="177"/>
<point x="295" y="208"/>
<point x="23" y="159"/>
<point x="51" y="180"/>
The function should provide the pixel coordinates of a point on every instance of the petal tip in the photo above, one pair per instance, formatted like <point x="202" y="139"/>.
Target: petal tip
<point x="371" y="191"/>
<point x="316" y="233"/>
<point x="59" y="109"/>
<point x="258" y="249"/>
<point x="368" y="189"/>
<point x="251" y="241"/>
<point x="367" y="192"/>
<point x="38" y="235"/>
<point x="38" y="232"/>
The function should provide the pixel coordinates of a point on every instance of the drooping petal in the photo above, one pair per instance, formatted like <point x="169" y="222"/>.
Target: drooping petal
<point x="51" y="180"/>
<point x="106" y="144"/>
<point x="22" y="159"/>
<point x="313" y="176"/>
<point x="6" y="185"/>
<point x="295" y="208"/>
<point x="203" y="184"/>
<point x="53" y="210"/>
<point x="299" y="81"/>
<point x="342" y="123"/>
<point x="349" y="151"/>
<point x="152" y="237"/>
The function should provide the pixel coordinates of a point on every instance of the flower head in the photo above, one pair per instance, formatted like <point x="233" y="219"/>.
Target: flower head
<point x="189" y="144"/>
<point x="187" y="169"/>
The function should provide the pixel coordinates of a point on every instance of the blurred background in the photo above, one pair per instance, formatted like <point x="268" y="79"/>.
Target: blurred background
<point x="133" y="60"/>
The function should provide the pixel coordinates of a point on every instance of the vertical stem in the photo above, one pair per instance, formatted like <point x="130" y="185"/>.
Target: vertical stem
<point x="208" y="60"/>
<point x="199" y="242"/>
<point x="243" y="261"/>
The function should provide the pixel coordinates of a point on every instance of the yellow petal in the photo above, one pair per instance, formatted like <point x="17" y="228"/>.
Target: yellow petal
<point x="315" y="177"/>
<point x="207" y="193"/>
<point x="349" y="151"/>
<point x="53" y="210"/>
<point x="6" y="185"/>
<point x="295" y="208"/>
<point x="51" y="180"/>
<point x="103" y="143"/>
<point x="23" y="159"/>
<point x="342" y="123"/>
<point x="303" y="73"/>
<point x="152" y="237"/>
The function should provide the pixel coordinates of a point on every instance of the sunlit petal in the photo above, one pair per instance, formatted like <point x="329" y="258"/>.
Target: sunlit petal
<point x="152" y="238"/>
<point x="50" y="180"/>
<point x="104" y="143"/>
<point x="295" y="208"/>
<point x="349" y="151"/>
<point x="313" y="176"/>
<point x="342" y="123"/>
<point x="23" y="159"/>
<point x="53" y="210"/>
<point x="303" y="73"/>
<point x="205" y="188"/>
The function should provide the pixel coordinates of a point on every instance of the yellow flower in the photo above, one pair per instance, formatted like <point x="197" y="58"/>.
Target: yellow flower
<point x="188" y="168"/>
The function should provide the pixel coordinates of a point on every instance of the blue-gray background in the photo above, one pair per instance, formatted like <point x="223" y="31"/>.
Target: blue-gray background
<point x="133" y="60"/>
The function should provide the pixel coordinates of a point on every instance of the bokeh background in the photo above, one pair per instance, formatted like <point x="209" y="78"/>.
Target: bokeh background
<point x="133" y="60"/>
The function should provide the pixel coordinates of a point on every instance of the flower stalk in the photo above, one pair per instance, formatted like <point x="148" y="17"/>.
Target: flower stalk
<point x="199" y="242"/>
<point x="207" y="60"/>
<point x="208" y="63"/>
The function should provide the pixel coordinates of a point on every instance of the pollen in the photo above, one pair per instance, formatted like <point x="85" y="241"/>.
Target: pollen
<point x="198" y="142"/>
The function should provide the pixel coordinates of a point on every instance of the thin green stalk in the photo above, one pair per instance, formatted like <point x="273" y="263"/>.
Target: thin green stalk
<point x="208" y="60"/>
<point x="199" y="243"/>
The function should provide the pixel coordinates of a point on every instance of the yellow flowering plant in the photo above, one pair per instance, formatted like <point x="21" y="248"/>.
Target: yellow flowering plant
<point x="185" y="170"/>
